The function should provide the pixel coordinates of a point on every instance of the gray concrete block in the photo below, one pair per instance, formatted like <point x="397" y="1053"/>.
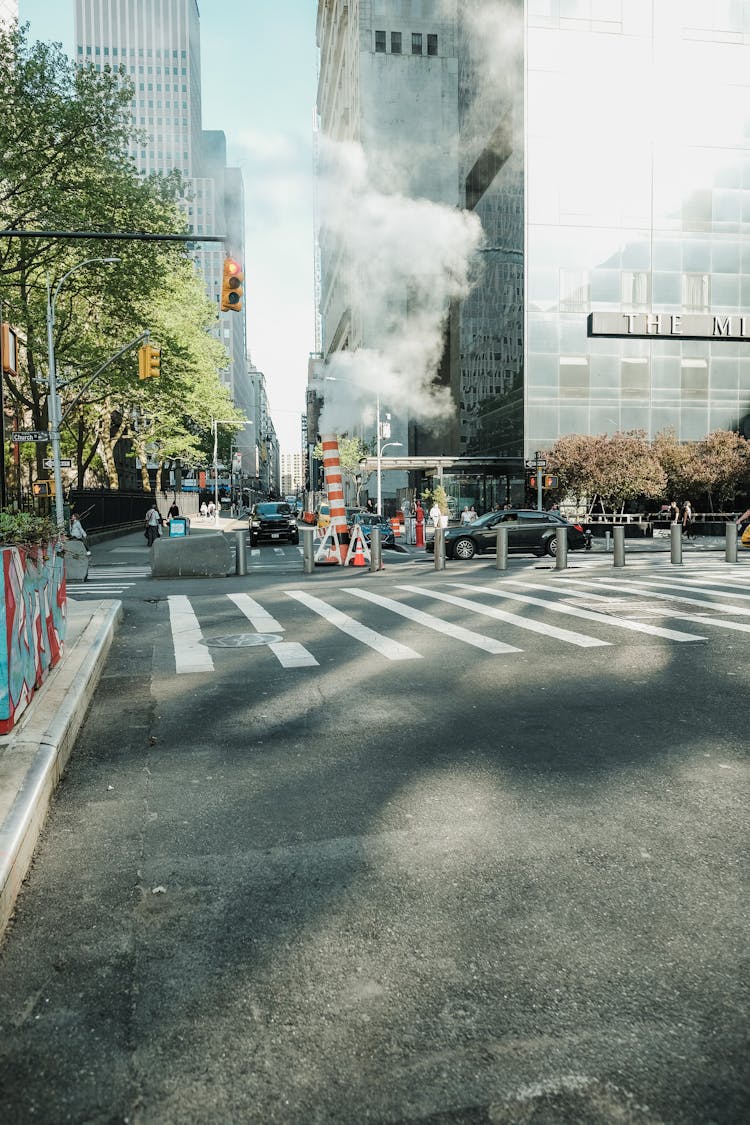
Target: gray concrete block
<point x="198" y="556"/>
<point x="76" y="561"/>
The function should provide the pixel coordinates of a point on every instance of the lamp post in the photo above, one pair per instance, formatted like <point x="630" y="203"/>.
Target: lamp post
<point x="379" y="470"/>
<point x="53" y="406"/>
<point x="215" y="427"/>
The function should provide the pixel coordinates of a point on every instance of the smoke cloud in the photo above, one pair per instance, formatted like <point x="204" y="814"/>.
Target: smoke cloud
<point x="402" y="262"/>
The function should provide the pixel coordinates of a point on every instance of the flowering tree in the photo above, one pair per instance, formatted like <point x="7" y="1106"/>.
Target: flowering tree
<point x="615" y="469"/>
<point x="722" y="460"/>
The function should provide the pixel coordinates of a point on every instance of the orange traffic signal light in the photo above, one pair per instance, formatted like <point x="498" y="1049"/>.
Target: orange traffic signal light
<point x="548" y="481"/>
<point x="231" y="286"/>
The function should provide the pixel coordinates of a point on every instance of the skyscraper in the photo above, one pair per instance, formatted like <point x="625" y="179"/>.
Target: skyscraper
<point x="157" y="42"/>
<point x="604" y="146"/>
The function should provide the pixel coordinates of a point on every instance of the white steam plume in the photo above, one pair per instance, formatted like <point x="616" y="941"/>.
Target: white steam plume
<point x="402" y="262"/>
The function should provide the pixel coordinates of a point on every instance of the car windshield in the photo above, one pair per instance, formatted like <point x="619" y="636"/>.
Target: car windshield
<point x="274" y="510"/>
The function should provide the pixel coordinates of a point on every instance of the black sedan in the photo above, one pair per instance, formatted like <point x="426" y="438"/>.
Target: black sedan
<point x="273" y="520"/>
<point x="529" y="532"/>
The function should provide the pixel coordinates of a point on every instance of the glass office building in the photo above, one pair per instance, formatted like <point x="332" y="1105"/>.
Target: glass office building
<point x="614" y="187"/>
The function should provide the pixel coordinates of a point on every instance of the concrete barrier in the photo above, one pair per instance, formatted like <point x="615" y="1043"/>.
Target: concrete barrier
<point x="76" y="561"/>
<point x="208" y="555"/>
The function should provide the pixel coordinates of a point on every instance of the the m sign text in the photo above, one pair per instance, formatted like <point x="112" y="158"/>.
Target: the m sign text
<point x="684" y="326"/>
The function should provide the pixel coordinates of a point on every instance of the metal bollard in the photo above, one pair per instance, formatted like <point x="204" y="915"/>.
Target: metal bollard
<point x="675" y="543"/>
<point x="501" y="559"/>
<point x="439" y="548"/>
<point x="376" y="549"/>
<point x="241" y="538"/>
<point x="730" y="554"/>
<point x="606" y="541"/>
<point x="618" y="541"/>
<point x="308" y="549"/>
<point x="561" y="554"/>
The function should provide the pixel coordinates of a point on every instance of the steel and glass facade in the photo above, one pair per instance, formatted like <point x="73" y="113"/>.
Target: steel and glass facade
<point x="621" y="186"/>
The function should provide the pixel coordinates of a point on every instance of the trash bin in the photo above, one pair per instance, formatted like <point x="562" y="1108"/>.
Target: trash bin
<point x="179" y="527"/>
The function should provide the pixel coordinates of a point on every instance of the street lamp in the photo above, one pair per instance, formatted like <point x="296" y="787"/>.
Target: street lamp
<point x="215" y="427"/>
<point x="53" y="407"/>
<point x="380" y="454"/>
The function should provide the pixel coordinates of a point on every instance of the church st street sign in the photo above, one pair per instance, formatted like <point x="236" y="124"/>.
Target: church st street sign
<point x="29" y="435"/>
<point x="670" y="326"/>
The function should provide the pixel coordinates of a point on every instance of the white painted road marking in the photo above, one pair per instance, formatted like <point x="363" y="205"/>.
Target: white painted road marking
<point x="487" y="644"/>
<point x="585" y="614"/>
<point x="189" y="653"/>
<point x="636" y="587"/>
<point x="547" y="630"/>
<point x="255" y="613"/>
<point x="290" y="654"/>
<point x="392" y="650"/>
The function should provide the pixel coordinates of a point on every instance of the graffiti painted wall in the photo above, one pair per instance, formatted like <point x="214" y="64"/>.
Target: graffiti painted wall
<point x="32" y="618"/>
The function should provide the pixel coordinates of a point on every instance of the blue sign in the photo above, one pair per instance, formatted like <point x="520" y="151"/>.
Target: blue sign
<point x="178" y="527"/>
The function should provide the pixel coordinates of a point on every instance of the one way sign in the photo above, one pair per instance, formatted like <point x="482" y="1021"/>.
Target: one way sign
<point x="65" y="463"/>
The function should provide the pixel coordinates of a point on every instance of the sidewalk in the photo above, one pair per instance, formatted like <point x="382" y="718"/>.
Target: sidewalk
<point x="34" y="755"/>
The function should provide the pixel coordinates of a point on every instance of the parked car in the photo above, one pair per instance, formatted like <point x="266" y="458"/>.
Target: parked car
<point x="272" y="520"/>
<point x="368" y="520"/>
<point x="529" y="532"/>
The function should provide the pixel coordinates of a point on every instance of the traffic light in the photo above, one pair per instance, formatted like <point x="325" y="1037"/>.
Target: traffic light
<point x="231" y="286"/>
<point x="43" y="488"/>
<point x="149" y="361"/>
<point x="548" y="481"/>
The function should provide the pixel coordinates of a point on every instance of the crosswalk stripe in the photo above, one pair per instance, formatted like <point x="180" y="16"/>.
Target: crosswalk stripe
<point x="256" y="614"/>
<point x="392" y="650"/>
<point x="636" y="587"/>
<point x="581" y="640"/>
<point x="585" y="614"/>
<point x="702" y="586"/>
<point x="290" y="654"/>
<point x="487" y="644"/>
<point x="190" y="655"/>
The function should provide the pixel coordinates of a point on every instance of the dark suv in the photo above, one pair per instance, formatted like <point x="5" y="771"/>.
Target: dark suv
<point x="529" y="532"/>
<point x="273" y="520"/>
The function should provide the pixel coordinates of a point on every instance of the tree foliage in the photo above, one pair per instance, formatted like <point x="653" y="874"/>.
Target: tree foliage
<point x="627" y="466"/>
<point x="64" y="132"/>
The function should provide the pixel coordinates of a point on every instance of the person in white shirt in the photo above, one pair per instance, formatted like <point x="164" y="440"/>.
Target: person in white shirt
<point x="77" y="531"/>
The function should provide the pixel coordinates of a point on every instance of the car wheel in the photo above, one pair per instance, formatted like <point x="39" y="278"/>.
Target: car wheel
<point x="294" y="540"/>
<point x="551" y="545"/>
<point x="464" y="549"/>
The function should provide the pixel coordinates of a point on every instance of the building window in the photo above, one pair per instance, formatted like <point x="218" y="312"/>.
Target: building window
<point x="635" y="380"/>
<point x="636" y="290"/>
<point x="432" y="45"/>
<point x="575" y="291"/>
<point x="416" y="43"/>
<point x="395" y="42"/>
<point x="696" y="292"/>
<point x="574" y="376"/>
<point x="694" y="379"/>
<point x="380" y="41"/>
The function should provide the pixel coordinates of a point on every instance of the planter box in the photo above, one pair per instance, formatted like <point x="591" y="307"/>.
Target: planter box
<point x="32" y="620"/>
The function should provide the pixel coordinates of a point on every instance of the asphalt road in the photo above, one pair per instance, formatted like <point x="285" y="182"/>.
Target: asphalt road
<point x="411" y="876"/>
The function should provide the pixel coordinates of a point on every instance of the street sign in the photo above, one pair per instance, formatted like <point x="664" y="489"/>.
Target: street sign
<point x="536" y="464"/>
<point x="65" y="463"/>
<point x="29" y="435"/>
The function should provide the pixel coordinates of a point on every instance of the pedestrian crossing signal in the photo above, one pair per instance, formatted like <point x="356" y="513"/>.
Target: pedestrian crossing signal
<point x="548" y="481"/>
<point x="231" y="286"/>
<point x="43" y="488"/>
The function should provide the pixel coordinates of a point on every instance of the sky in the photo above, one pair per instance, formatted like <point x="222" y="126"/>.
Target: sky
<point x="259" y="76"/>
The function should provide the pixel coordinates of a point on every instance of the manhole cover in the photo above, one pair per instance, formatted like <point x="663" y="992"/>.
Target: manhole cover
<point x="242" y="640"/>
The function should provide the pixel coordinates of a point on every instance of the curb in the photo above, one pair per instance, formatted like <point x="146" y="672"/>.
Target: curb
<point x="39" y="753"/>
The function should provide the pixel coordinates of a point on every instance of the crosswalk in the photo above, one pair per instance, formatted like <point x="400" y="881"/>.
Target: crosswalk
<point x="498" y="619"/>
<point x="107" y="581"/>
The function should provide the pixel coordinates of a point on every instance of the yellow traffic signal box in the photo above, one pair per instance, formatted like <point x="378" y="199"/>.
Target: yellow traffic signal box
<point x="231" y="286"/>
<point x="149" y="361"/>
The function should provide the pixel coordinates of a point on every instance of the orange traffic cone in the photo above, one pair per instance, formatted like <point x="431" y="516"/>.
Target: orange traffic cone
<point x="359" y="555"/>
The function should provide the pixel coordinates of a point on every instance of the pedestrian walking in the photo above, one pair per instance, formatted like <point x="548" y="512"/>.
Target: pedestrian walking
<point x="435" y="514"/>
<point x="687" y="520"/>
<point x="465" y="516"/>
<point x="211" y="509"/>
<point x="77" y="531"/>
<point x="203" y="510"/>
<point x="174" y="511"/>
<point x="472" y="514"/>
<point x="674" y="512"/>
<point x="153" y="525"/>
